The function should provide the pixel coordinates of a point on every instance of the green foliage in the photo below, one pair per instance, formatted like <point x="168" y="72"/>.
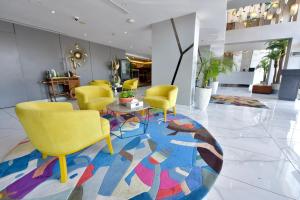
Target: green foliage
<point x="210" y="67"/>
<point x="265" y="64"/>
<point x="277" y="48"/>
<point x="126" y="94"/>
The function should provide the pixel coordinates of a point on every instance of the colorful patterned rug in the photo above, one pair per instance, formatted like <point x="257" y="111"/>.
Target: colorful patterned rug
<point x="237" y="101"/>
<point x="174" y="160"/>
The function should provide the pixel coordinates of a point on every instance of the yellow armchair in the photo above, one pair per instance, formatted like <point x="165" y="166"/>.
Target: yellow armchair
<point x="163" y="97"/>
<point x="99" y="82"/>
<point x="55" y="129"/>
<point x="103" y="83"/>
<point x="94" y="97"/>
<point x="131" y="84"/>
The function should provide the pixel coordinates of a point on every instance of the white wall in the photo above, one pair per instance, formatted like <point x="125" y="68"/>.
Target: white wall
<point x="165" y="55"/>
<point x="241" y="78"/>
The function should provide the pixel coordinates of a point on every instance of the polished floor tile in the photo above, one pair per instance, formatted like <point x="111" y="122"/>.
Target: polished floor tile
<point x="227" y="188"/>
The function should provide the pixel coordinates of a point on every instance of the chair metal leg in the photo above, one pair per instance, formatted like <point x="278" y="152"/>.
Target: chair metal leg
<point x="165" y="115"/>
<point x="109" y="145"/>
<point x="174" y="110"/>
<point x="63" y="169"/>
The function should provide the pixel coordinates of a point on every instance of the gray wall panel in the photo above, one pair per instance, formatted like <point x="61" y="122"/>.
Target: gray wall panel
<point x="6" y="27"/>
<point x="100" y="57"/>
<point x="12" y="89"/>
<point x="39" y="51"/>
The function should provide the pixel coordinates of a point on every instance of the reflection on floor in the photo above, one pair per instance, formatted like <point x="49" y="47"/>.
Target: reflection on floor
<point x="261" y="146"/>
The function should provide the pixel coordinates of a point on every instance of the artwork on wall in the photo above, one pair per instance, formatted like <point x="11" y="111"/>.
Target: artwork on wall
<point x="77" y="57"/>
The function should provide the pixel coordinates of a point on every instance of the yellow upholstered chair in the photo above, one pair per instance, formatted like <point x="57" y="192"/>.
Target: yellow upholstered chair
<point x="97" y="82"/>
<point x="55" y="129"/>
<point x="163" y="97"/>
<point x="131" y="84"/>
<point x="103" y="83"/>
<point x="94" y="97"/>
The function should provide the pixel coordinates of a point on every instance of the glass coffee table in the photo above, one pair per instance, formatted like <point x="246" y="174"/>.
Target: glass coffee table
<point x="131" y="122"/>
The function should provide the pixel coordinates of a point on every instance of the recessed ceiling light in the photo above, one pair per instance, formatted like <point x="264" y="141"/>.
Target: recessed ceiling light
<point x="85" y="34"/>
<point x="125" y="32"/>
<point x="130" y="20"/>
<point x="52" y="11"/>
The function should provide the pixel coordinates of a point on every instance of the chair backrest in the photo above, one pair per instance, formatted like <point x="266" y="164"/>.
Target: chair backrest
<point x="56" y="129"/>
<point x="85" y="93"/>
<point x="169" y="91"/>
<point x="99" y="82"/>
<point x="132" y="82"/>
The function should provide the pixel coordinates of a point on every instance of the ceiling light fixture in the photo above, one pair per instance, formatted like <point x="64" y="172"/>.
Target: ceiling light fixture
<point x="52" y="11"/>
<point x="125" y="32"/>
<point x="130" y="20"/>
<point x="85" y="34"/>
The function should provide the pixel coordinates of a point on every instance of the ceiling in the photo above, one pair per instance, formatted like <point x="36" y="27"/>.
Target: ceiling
<point x="103" y="22"/>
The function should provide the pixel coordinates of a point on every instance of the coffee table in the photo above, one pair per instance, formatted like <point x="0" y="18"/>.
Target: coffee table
<point x="123" y="114"/>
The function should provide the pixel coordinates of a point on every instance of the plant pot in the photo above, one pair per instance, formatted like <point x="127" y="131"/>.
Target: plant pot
<point x="214" y="86"/>
<point x="275" y="87"/>
<point x="202" y="97"/>
<point x="125" y="100"/>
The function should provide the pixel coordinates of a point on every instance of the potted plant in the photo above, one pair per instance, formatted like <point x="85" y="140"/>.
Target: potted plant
<point x="202" y="91"/>
<point x="277" y="53"/>
<point x="219" y="65"/>
<point x="265" y="65"/>
<point x="126" y="96"/>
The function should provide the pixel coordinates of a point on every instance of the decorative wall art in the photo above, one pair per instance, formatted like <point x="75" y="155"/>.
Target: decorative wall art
<point x="77" y="57"/>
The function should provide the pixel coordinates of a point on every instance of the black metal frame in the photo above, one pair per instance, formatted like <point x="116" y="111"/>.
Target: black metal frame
<point x="144" y="121"/>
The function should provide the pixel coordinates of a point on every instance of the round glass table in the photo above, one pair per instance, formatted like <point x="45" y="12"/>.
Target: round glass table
<point x="130" y="117"/>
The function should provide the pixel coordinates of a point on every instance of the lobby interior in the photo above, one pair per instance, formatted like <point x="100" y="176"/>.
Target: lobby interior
<point x="148" y="99"/>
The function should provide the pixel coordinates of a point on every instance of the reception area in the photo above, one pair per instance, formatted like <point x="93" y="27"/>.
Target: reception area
<point x="107" y="100"/>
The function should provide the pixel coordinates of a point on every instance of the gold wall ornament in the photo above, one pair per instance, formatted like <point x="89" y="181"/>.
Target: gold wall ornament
<point x="77" y="57"/>
<point x="115" y="65"/>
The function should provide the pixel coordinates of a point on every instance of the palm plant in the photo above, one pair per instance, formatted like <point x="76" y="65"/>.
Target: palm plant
<point x="210" y="67"/>
<point x="277" y="53"/>
<point x="265" y="65"/>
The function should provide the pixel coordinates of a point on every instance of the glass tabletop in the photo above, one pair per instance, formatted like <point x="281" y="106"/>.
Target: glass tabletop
<point x="117" y="107"/>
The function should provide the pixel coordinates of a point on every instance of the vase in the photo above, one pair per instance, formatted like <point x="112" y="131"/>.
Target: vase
<point x="202" y="97"/>
<point x="214" y="86"/>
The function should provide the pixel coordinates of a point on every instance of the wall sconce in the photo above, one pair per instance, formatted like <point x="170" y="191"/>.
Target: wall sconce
<point x="294" y="9"/>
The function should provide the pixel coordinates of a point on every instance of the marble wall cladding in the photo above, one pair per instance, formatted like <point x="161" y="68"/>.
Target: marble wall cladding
<point x="26" y="53"/>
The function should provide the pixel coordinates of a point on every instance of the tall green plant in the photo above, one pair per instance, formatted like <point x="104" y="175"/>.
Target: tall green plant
<point x="277" y="53"/>
<point x="210" y="67"/>
<point x="265" y="65"/>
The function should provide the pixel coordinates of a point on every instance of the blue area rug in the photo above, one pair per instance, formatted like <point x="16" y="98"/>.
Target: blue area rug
<point x="174" y="160"/>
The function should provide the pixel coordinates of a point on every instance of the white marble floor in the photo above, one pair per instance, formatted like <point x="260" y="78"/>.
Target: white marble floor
<point x="261" y="146"/>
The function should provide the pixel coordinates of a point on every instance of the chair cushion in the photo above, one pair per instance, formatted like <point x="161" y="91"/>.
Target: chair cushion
<point x="158" y="102"/>
<point x="99" y="103"/>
